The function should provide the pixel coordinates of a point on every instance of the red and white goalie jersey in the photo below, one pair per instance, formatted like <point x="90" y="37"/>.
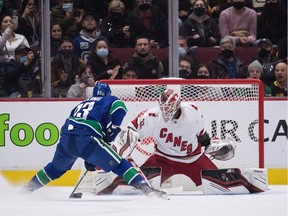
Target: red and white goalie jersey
<point x="177" y="139"/>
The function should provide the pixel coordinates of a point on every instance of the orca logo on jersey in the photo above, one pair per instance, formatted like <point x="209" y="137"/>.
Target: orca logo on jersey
<point x="176" y="140"/>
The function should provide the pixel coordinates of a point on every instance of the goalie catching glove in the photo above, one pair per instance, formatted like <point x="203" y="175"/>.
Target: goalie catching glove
<point x="221" y="149"/>
<point x="125" y="142"/>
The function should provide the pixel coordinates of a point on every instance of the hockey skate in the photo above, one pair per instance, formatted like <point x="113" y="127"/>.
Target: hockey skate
<point x="29" y="188"/>
<point x="151" y="192"/>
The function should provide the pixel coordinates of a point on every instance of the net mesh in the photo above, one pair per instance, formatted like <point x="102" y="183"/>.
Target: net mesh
<point x="230" y="110"/>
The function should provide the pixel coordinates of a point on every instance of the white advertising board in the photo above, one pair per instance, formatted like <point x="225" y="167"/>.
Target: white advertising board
<point x="42" y="121"/>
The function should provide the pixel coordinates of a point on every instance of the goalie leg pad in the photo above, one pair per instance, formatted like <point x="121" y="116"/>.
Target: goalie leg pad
<point x="258" y="178"/>
<point x="231" y="181"/>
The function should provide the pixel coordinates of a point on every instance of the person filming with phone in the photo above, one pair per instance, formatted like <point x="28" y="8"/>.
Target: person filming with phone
<point x="9" y="40"/>
<point x="29" y="21"/>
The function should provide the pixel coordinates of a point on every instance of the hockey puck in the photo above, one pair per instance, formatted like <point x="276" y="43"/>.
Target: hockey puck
<point x="76" y="195"/>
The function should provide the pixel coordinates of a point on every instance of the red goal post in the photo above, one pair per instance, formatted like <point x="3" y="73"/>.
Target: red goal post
<point x="232" y="108"/>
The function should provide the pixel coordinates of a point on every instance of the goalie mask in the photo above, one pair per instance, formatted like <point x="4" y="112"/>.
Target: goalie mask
<point x="101" y="89"/>
<point x="169" y="103"/>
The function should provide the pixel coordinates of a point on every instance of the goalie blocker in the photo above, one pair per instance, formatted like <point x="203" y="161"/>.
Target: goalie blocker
<point x="233" y="181"/>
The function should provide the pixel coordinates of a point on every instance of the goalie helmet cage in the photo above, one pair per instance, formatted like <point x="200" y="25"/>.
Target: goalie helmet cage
<point x="232" y="108"/>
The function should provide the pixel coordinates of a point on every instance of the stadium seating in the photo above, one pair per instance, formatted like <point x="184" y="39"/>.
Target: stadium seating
<point x="202" y="54"/>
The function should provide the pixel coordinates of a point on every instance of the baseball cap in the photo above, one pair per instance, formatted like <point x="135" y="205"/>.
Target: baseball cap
<point x="263" y="41"/>
<point x="22" y="49"/>
<point x="90" y="15"/>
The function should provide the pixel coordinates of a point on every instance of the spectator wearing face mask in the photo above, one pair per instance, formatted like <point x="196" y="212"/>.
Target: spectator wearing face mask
<point x="267" y="59"/>
<point x="29" y="82"/>
<point x="65" y="65"/>
<point x="199" y="29"/>
<point x="87" y="36"/>
<point x="185" y="67"/>
<point x="115" y="26"/>
<point x="68" y="17"/>
<point x="203" y="72"/>
<point x="240" y="22"/>
<point x="183" y="47"/>
<point x="272" y="23"/>
<point x="147" y="19"/>
<point x="102" y="63"/>
<point x="183" y="51"/>
<point x="10" y="72"/>
<point x="227" y="65"/>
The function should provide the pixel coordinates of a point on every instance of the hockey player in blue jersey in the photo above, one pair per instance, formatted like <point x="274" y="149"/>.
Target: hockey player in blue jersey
<point x="87" y="132"/>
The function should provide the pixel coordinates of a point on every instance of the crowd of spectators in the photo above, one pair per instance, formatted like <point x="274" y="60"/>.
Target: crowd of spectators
<point x="85" y="32"/>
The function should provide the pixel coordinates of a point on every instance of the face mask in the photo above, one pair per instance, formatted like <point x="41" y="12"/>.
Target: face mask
<point x="199" y="11"/>
<point x="182" y="51"/>
<point x="227" y="53"/>
<point x="263" y="53"/>
<point x="202" y="77"/>
<point x="116" y="15"/>
<point x="144" y="7"/>
<point x="67" y="7"/>
<point x="184" y="73"/>
<point x="102" y="52"/>
<point x="23" y="59"/>
<point x="66" y="53"/>
<point x="238" y="5"/>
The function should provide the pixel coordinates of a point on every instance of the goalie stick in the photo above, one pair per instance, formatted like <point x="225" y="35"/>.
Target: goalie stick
<point x="78" y="195"/>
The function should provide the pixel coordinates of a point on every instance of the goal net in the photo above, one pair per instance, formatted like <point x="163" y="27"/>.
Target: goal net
<point x="231" y="108"/>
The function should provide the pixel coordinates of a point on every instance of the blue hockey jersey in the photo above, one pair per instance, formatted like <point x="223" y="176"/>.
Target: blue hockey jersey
<point x="95" y="114"/>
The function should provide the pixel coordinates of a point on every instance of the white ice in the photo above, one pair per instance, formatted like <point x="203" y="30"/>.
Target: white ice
<point x="54" y="201"/>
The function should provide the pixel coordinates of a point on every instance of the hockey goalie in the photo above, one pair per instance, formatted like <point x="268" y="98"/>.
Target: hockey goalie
<point x="182" y="146"/>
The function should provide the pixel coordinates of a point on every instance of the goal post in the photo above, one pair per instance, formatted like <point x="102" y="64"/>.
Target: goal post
<point x="232" y="108"/>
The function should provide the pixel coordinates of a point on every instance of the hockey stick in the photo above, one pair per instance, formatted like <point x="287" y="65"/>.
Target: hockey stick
<point x="78" y="195"/>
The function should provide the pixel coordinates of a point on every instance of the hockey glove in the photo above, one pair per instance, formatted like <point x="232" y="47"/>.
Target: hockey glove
<point x="221" y="149"/>
<point x="126" y="142"/>
<point x="90" y="167"/>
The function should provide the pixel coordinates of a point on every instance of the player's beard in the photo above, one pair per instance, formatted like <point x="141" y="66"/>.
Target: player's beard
<point x="143" y="55"/>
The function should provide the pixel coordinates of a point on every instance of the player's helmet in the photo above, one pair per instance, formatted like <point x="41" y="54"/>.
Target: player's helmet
<point x="169" y="103"/>
<point x="101" y="89"/>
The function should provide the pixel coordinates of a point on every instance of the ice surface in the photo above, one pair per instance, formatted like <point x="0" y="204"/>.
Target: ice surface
<point x="54" y="201"/>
